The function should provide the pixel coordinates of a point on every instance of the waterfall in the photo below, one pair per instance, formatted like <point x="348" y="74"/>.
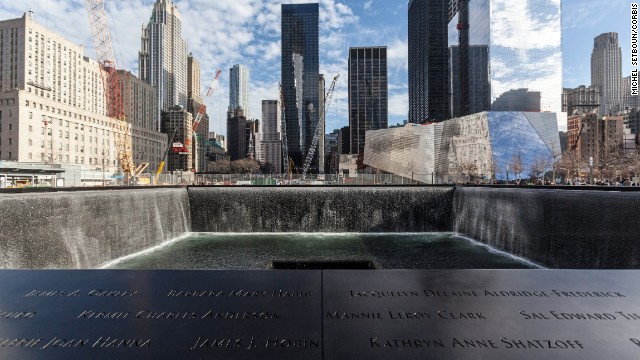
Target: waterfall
<point x="82" y="229"/>
<point x="321" y="209"/>
<point x="574" y="229"/>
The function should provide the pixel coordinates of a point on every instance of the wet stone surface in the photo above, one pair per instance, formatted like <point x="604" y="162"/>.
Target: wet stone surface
<point x="313" y="314"/>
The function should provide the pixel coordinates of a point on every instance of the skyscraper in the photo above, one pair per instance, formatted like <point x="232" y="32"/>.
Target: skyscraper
<point x="300" y="74"/>
<point x="606" y="72"/>
<point x="239" y="89"/>
<point x="479" y="96"/>
<point x="269" y="140"/>
<point x="368" y="93"/>
<point x="236" y="134"/>
<point x="163" y="56"/>
<point x="200" y="135"/>
<point x="194" y="87"/>
<point x="524" y="51"/>
<point x="629" y="101"/>
<point x="428" y="61"/>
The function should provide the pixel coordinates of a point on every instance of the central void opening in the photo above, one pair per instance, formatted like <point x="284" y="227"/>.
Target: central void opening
<point x="228" y="251"/>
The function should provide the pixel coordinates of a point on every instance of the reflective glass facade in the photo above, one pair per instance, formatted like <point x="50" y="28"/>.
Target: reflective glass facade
<point x="428" y="61"/>
<point x="525" y="51"/>
<point x="300" y="74"/>
<point x="479" y="88"/>
<point x="491" y="145"/>
<point x="368" y="93"/>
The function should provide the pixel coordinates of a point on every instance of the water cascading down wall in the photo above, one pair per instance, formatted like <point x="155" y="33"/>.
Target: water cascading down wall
<point x="556" y="228"/>
<point x="83" y="229"/>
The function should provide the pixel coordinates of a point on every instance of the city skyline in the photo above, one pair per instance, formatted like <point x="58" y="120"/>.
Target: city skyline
<point x="248" y="31"/>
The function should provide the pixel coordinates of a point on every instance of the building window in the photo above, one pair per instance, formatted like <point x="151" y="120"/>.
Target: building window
<point x="30" y="115"/>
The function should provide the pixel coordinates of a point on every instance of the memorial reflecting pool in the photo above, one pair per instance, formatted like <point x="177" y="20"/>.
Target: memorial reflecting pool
<point x="386" y="251"/>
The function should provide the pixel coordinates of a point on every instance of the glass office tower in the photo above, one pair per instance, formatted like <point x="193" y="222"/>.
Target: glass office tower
<point x="429" y="96"/>
<point x="525" y="51"/>
<point x="300" y="74"/>
<point x="368" y="93"/>
<point x="479" y="88"/>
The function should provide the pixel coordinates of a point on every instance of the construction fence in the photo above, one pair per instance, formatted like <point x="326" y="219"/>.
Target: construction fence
<point x="187" y="178"/>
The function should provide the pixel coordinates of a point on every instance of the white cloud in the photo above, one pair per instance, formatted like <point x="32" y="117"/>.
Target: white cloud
<point x="398" y="54"/>
<point x="221" y="33"/>
<point x="399" y="105"/>
<point x="512" y="19"/>
<point x="335" y="15"/>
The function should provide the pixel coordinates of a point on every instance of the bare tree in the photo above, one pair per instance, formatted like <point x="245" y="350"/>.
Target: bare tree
<point x="468" y="169"/>
<point x="495" y="169"/>
<point x="633" y="163"/>
<point x="219" y="167"/>
<point x="556" y="153"/>
<point x="517" y="165"/>
<point x="612" y="161"/>
<point x="411" y="168"/>
<point x="569" y="164"/>
<point x="267" y="168"/>
<point x="538" y="167"/>
<point x="245" y="166"/>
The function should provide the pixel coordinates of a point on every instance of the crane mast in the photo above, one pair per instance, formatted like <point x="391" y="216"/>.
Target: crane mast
<point x="319" y="129"/>
<point x="203" y="109"/>
<point x="283" y="129"/>
<point x="113" y="96"/>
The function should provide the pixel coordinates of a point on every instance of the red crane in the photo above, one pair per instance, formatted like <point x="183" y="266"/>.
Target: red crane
<point x="202" y="110"/>
<point x="113" y="96"/>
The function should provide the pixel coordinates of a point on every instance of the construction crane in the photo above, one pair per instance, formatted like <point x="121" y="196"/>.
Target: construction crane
<point x="283" y="130"/>
<point x="319" y="128"/>
<point x="113" y="96"/>
<point x="164" y="157"/>
<point x="203" y="109"/>
<point x="575" y="144"/>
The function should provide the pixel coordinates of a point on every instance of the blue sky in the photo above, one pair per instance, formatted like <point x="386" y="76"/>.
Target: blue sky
<point x="221" y="33"/>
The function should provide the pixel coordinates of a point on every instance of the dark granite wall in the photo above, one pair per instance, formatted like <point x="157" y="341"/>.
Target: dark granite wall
<point x="321" y="209"/>
<point x="83" y="229"/>
<point x="556" y="228"/>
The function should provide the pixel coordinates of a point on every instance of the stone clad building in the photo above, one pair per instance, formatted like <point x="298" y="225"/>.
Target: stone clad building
<point x="485" y="145"/>
<point x="52" y="104"/>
